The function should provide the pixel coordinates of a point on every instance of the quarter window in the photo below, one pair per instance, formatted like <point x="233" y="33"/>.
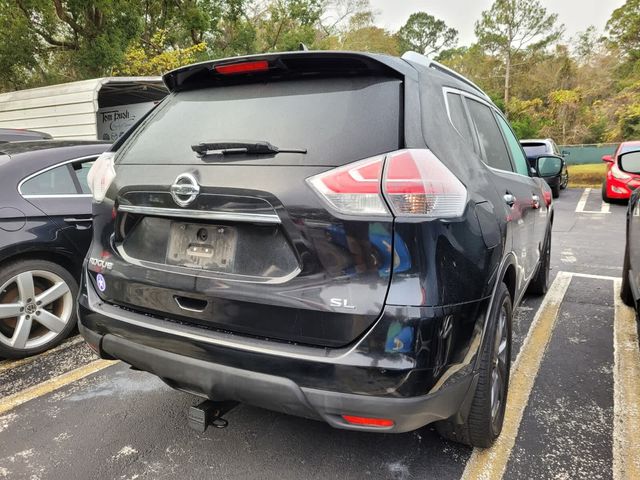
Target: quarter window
<point x="459" y="117"/>
<point x="495" y="150"/>
<point x="519" y="158"/>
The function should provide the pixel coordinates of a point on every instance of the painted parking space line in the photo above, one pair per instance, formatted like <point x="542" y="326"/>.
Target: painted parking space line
<point x="12" y="401"/>
<point x="582" y="203"/>
<point x="595" y="277"/>
<point x="8" y="364"/>
<point x="626" y="396"/>
<point x="490" y="464"/>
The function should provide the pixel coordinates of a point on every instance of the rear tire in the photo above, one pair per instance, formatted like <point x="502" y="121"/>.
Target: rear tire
<point x="540" y="283"/>
<point x="37" y="298"/>
<point x="625" y="289"/>
<point x="565" y="181"/>
<point x="486" y="416"/>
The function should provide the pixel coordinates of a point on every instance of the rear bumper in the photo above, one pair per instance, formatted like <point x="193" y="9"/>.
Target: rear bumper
<point x="617" y="189"/>
<point x="309" y="382"/>
<point x="280" y="394"/>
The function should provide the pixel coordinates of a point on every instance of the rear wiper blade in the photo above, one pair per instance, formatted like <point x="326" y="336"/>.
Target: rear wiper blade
<point x="241" y="147"/>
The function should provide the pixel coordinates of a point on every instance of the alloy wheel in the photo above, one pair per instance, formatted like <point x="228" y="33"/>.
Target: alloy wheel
<point x="35" y="306"/>
<point x="499" y="368"/>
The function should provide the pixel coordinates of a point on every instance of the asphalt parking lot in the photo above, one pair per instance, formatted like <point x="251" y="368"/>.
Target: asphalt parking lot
<point x="573" y="407"/>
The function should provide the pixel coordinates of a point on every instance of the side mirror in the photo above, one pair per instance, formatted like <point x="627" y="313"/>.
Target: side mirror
<point x="607" y="158"/>
<point x="630" y="162"/>
<point x="548" y="166"/>
<point x="566" y="153"/>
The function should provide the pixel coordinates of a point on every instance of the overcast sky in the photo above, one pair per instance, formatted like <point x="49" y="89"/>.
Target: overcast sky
<point x="576" y="15"/>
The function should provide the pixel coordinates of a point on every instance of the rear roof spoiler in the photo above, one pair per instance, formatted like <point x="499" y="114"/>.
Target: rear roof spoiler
<point x="429" y="63"/>
<point x="285" y="66"/>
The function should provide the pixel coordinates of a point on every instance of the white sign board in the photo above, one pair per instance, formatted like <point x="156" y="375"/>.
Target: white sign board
<point x="113" y="122"/>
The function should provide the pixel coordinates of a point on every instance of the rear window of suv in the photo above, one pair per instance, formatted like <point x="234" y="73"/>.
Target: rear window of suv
<point x="535" y="149"/>
<point x="337" y="120"/>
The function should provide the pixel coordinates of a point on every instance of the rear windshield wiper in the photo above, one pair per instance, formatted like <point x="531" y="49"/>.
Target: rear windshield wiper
<point x="241" y="147"/>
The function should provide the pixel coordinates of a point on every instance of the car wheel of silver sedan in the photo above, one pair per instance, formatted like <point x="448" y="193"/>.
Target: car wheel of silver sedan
<point x="37" y="308"/>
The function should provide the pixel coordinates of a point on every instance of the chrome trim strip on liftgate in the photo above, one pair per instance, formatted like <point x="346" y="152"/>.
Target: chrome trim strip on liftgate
<point x="265" y="218"/>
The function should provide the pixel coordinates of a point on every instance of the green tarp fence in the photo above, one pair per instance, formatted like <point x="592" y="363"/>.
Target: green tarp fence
<point x="581" y="154"/>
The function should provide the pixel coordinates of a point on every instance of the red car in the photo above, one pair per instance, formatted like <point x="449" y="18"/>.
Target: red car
<point x="618" y="185"/>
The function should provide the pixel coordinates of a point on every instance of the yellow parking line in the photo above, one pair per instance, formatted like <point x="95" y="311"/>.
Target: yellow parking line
<point x="490" y="463"/>
<point x="626" y="392"/>
<point x="12" y="401"/>
<point x="6" y="365"/>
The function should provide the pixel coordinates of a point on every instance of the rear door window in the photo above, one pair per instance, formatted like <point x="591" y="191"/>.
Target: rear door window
<point x="337" y="121"/>
<point x="495" y="150"/>
<point x="56" y="181"/>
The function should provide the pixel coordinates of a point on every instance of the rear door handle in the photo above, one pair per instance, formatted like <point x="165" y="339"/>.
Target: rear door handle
<point x="535" y="201"/>
<point x="79" y="220"/>
<point x="509" y="199"/>
<point x="82" y="223"/>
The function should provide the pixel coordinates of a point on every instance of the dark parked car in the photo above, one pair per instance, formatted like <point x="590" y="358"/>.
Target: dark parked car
<point x="629" y="162"/>
<point x="45" y="231"/>
<point x="535" y="148"/>
<point x="318" y="233"/>
<point x="19" y="134"/>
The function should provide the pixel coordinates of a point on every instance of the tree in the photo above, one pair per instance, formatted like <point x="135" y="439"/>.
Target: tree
<point x="88" y="35"/>
<point x="155" y="59"/>
<point x="426" y="34"/>
<point x="362" y="35"/>
<point x="511" y="27"/>
<point x="624" y="29"/>
<point x="287" y="23"/>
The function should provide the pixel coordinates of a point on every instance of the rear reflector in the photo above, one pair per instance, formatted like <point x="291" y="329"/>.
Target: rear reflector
<point x="244" y="67"/>
<point x="368" y="422"/>
<point x="415" y="183"/>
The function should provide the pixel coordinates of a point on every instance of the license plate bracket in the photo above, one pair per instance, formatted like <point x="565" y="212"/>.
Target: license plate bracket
<point x="207" y="247"/>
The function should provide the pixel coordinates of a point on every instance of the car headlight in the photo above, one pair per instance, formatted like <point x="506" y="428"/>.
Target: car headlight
<point x="101" y="175"/>
<point x="619" y="174"/>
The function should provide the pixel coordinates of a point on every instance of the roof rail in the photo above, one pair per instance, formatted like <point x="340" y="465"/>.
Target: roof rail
<point x="429" y="63"/>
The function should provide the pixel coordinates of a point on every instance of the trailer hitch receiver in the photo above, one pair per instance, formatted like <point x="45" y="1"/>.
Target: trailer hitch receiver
<point x="209" y="413"/>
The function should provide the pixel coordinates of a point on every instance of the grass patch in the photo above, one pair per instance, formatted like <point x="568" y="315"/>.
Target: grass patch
<point x="590" y="175"/>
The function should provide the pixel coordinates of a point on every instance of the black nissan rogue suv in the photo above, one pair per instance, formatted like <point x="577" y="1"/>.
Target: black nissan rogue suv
<point x="340" y="236"/>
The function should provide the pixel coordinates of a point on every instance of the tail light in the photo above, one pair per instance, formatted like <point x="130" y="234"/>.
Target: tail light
<point x="353" y="189"/>
<point x="101" y="175"/>
<point x="413" y="183"/>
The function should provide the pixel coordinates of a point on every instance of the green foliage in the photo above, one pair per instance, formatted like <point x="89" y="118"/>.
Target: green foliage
<point x="624" y="29"/>
<point x="513" y="27"/>
<point x="424" y="33"/>
<point x="584" y="91"/>
<point x="630" y="122"/>
<point x="139" y="62"/>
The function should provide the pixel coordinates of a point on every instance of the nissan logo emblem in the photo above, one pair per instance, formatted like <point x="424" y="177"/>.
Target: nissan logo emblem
<point x="185" y="189"/>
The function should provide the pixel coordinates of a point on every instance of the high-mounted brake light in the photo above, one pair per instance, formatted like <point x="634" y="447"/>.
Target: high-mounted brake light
<point x="415" y="183"/>
<point x="368" y="422"/>
<point x="243" y="67"/>
<point x="101" y="175"/>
